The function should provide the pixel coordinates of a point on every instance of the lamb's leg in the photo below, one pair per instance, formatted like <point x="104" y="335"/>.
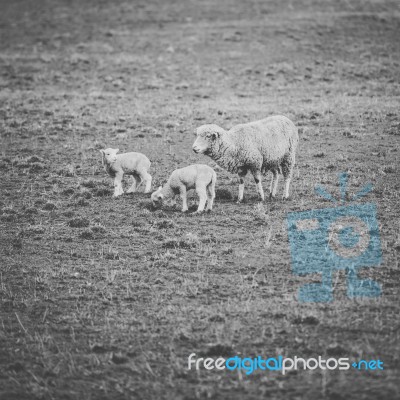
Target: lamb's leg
<point x="257" y="178"/>
<point x="118" y="183"/>
<point x="274" y="184"/>
<point x="135" y="183"/>
<point x="201" y="191"/>
<point x="182" y="192"/>
<point x="242" y="173"/>
<point x="210" y="196"/>
<point x="148" y="180"/>
<point x="145" y="177"/>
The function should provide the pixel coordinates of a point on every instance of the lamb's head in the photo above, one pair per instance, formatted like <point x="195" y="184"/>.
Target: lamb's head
<point x="207" y="140"/>
<point x="109" y="155"/>
<point x="157" y="198"/>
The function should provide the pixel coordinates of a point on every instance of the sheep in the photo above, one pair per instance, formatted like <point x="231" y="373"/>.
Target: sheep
<point x="261" y="146"/>
<point x="198" y="176"/>
<point x="135" y="164"/>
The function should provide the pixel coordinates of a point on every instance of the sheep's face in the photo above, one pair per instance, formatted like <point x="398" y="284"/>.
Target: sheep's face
<point x="157" y="198"/>
<point x="109" y="155"/>
<point x="207" y="137"/>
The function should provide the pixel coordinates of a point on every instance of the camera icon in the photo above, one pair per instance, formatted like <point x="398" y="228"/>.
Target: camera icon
<point x="339" y="238"/>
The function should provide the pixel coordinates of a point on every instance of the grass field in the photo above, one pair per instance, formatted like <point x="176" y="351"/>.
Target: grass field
<point x="106" y="298"/>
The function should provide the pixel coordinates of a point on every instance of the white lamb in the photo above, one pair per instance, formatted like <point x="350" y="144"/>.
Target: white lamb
<point x="197" y="176"/>
<point x="135" y="164"/>
<point x="261" y="146"/>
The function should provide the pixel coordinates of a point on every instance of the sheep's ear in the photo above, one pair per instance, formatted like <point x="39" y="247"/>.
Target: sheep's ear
<point x="213" y="135"/>
<point x="160" y="188"/>
<point x="116" y="151"/>
<point x="102" y="152"/>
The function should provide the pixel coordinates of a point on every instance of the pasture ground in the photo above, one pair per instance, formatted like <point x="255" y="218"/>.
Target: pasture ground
<point x="105" y="298"/>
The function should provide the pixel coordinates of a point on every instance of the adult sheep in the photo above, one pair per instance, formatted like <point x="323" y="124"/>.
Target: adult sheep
<point x="261" y="146"/>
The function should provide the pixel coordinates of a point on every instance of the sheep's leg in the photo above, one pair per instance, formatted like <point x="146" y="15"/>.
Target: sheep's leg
<point x="118" y="183"/>
<point x="135" y="183"/>
<point x="182" y="192"/>
<point x="271" y="185"/>
<point x="210" y="196"/>
<point x="242" y="173"/>
<point x="287" y="171"/>
<point x="287" y="180"/>
<point x="257" y="179"/>
<point x="201" y="191"/>
<point x="275" y="188"/>
<point x="287" y="184"/>
<point x="274" y="184"/>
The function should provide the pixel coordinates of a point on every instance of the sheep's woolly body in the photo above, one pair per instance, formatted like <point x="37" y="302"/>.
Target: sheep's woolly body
<point x="118" y="165"/>
<point x="261" y="146"/>
<point x="198" y="176"/>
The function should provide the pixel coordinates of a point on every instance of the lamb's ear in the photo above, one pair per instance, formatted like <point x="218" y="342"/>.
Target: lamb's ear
<point x="160" y="188"/>
<point x="102" y="152"/>
<point x="116" y="151"/>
